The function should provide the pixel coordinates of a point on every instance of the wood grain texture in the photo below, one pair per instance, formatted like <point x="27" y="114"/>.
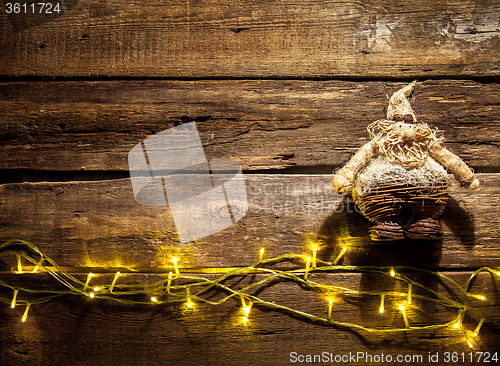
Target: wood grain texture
<point x="99" y="224"/>
<point x="82" y="126"/>
<point x="206" y="39"/>
<point x="102" y="333"/>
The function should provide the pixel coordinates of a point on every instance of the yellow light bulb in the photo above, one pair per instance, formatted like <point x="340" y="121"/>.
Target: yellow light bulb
<point x="91" y="295"/>
<point x="381" y="308"/>
<point x="189" y="304"/>
<point x="476" y="331"/>
<point x="392" y="272"/>
<point x="308" y="263"/>
<point x="112" y="286"/>
<point x="25" y="315"/>
<point x="314" y="249"/>
<point x="96" y="289"/>
<point x="245" y="319"/>
<point x="13" y="303"/>
<point x="480" y="297"/>
<point x="169" y="281"/>
<point x="330" y="307"/>
<point x="247" y="308"/>
<point x="175" y="260"/>
<point x="405" y="317"/>
<point x="19" y="264"/>
<point x="89" y="276"/>
<point x="153" y="299"/>
<point x="342" y="252"/>
<point x="456" y="325"/>
<point x="35" y="270"/>
<point x="261" y="254"/>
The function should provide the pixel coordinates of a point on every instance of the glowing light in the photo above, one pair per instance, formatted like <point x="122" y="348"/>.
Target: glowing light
<point x="479" y="297"/>
<point x="314" y="249"/>
<point x="19" y="264"/>
<point x="341" y="254"/>
<point x="169" y="281"/>
<point x="398" y="300"/>
<point x="405" y="318"/>
<point x="89" y="276"/>
<point x="25" y="315"/>
<point x="308" y="263"/>
<point x="247" y="308"/>
<point x="476" y="331"/>
<point x="242" y="299"/>
<point x="112" y="286"/>
<point x="189" y="303"/>
<point x="35" y="270"/>
<point x="175" y="260"/>
<point x="261" y="254"/>
<point x="13" y="303"/>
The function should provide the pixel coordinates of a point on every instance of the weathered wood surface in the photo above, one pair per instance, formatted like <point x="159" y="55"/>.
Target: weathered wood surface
<point x="99" y="224"/>
<point x="100" y="332"/>
<point x="75" y="126"/>
<point x="205" y="39"/>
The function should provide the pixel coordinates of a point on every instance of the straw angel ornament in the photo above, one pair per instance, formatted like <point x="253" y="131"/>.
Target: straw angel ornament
<point x="398" y="179"/>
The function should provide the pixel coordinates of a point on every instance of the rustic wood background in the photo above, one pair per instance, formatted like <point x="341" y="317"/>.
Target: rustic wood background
<point x="286" y="89"/>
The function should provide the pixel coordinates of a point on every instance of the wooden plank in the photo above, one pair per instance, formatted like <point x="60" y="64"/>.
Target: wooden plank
<point x="99" y="224"/>
<point x="80" y="331"/>
<point x="205" y="39"/>
<point x="83" y="126"/>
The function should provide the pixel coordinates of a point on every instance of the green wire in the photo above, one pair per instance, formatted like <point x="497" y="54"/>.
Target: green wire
<point x="182" y="293"/>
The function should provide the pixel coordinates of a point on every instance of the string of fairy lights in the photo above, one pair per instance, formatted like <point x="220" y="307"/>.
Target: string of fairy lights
<point x="176" y="287"/>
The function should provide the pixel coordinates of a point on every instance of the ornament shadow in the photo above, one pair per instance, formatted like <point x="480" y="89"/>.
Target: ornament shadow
<point x="348" y="228"/>
<point x="460" y="221"/>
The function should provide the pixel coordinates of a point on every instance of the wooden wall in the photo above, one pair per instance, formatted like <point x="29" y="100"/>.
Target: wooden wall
<point x="284" y="88"/>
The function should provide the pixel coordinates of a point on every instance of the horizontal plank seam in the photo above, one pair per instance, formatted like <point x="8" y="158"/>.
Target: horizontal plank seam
<point x="33" y="78"/>
<point x="52" y="176"/>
